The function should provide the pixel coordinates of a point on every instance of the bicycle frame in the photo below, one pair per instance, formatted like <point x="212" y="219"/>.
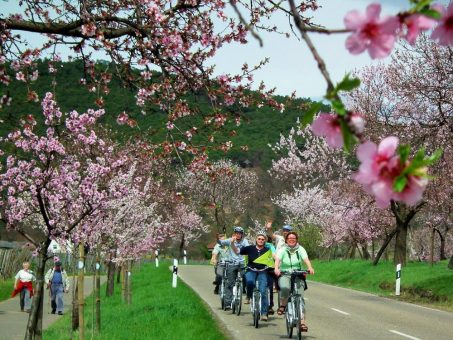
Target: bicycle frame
<point x="236" y="303"/>
<point x="294" y="308"/>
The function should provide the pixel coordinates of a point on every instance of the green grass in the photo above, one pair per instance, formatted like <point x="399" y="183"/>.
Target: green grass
<point x="6" y="288"/>
<point x="158" y="311"/>
<point x="420" y="282"/>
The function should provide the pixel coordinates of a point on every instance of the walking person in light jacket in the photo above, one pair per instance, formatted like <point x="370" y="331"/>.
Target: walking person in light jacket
<point x="58" y="282"/>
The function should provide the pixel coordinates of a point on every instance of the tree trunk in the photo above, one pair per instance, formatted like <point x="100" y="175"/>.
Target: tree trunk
<point x="181" y="246"/>
<point x="403" y="216"/>
<point x="98" y="292"/>
<point x="123" y="283"/>
<point x="34" y="325"/>
<point x="118" y="274"/>
<point x="129" y="283"/>
<point x="386" y="242"/>
<point x="110" y="278"/>
<point x="80" y="296"/>
<point x="75" y="308"/>
<point x="442" y="255"/>
<point x="450" y="263"/>
<point x="431" y="255"/>
<point x="401" y="244"/>
<point x="365" y="252"/>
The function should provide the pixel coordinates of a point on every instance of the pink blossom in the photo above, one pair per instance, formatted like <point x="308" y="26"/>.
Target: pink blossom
<point x="328" y="125"/>
<point x="416" y="23"/>
<point x="370" y="32"/>
<point x="380" y="166"/>
<point x="444" y="31"/>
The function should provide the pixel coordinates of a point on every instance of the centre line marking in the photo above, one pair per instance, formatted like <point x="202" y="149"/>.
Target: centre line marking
<point x="340" y="311"/>
<point x="405" y="335"/>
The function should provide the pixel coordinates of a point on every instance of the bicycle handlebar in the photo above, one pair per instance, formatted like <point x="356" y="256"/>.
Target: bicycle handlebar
<point x="295" y="272"/>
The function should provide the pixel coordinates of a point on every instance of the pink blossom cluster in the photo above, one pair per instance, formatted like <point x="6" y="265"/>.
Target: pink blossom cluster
<point x="378" y="35"/>
<point x="380" y="166"/>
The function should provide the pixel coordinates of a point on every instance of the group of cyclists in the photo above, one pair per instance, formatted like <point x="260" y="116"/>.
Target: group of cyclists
<point x="269" y="262"/>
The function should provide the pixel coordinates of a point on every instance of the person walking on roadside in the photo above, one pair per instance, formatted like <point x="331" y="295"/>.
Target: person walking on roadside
<point x="58" y="282"/>
<point x="258" y="258"/>
<point x="290" y="258"/>
<point x="237" y="261"/>
<point x="219" y="255"/>
<point x="23" y="284"/>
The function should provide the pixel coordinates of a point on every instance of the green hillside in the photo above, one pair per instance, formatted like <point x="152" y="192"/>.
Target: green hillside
<point x="259" y="127"/>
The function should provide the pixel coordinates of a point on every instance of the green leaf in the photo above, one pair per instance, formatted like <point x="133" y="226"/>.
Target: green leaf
<point x="399" y="183"/>
<point x="404" y="151"/>
<point x="431" y="13"/>
<point x="349" y="139"/>
<point x="338" y="107"/>
<point x="348" y="84"/>
<point x="309" y="115"/>
<point x="434" y="157"/>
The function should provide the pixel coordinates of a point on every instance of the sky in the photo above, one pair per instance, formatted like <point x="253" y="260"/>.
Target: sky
<point x="292" y="67"/>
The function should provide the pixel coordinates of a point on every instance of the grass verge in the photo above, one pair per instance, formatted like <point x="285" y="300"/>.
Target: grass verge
<point x="6" y="288"/>
<point x="158" y="311"/>
<point x="421" y="283"/>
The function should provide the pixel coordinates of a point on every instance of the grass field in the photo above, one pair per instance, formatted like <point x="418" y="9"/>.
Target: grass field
<point x="420" y="282"/>
<point x="158" y="311"/>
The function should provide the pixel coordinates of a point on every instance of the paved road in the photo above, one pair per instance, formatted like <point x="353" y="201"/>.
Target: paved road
<point x="333" y="313"/>
<point x="13" y="322"/>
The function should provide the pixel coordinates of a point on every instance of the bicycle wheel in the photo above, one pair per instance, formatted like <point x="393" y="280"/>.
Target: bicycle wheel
<point x="222" y="295"/>
<point x="256" y="309"/>
<point x="298" y="317"/>
<point x="233" y="302"/>
<point x="239" y="299"/>
<point x="288" y="318"/>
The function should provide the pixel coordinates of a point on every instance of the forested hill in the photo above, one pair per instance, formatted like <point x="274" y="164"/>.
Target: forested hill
<point x="259" y="127"/>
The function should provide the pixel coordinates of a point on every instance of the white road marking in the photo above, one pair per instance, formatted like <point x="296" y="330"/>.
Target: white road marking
<point x="339" y="311"/>
<point x="405" y="335"/>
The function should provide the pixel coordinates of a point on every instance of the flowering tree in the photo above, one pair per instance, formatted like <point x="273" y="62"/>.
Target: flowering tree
<point x="222" y="190"/>
<point x="54" y="182"/>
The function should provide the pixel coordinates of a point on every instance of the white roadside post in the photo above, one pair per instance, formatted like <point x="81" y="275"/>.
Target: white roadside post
<point x="156" y="252"/>
<point x="185" y="257"/>
<point x="398" y="279"/>
<point x="175" y="272"/>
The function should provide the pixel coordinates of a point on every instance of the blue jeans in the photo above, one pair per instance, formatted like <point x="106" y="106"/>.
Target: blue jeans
<point x="250" y="278"/>
<point x="56" y="297"/>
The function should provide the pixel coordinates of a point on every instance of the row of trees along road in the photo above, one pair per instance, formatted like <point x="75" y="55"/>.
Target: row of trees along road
<point x="72" y="182"/>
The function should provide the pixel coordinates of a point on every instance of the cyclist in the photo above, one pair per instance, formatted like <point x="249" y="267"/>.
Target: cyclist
<point x="219" y="254"/>
<point x="279" y="239"/>
<point x="289" y="258"/>
<point x="236" y="261"/>
<point x="255" y="270"/>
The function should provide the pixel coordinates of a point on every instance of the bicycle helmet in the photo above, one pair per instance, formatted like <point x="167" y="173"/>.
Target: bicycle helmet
<point x="238" y="230"/>
<point x="287" y="228"/>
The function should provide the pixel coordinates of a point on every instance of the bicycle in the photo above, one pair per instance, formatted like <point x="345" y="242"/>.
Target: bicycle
<point x="236" y="303"/>
<point x="222" y="270"/>
<point x="255" y="303"/>
<point x="294" y="311"/>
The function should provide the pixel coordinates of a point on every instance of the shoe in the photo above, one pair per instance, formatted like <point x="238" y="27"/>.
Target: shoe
<point x="247" y="301"/>
<point x="214" y="283"/>
<point x="303" y="327"/>
<point x="216" y="291"/>
<point x="60" y="313"/>
<point x="263" y="317"/>
<point x="27" y="310"/>
<point x="227" y="308"/>
<point x="270" y="311"/>
<point x="53" y="311"/>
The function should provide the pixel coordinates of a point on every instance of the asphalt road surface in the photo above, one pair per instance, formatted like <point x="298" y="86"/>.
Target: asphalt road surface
<point x="333" y="313"/>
